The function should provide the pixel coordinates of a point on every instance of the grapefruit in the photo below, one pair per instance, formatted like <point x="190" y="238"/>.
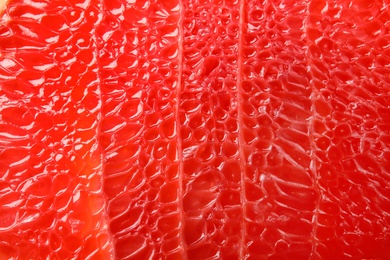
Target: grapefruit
<point x="139" y="67"/>
<point x="52" y="198"/>
<point x="208" y="114"/>
<point x="310" y="75"/>
<point x="194" y="129"/>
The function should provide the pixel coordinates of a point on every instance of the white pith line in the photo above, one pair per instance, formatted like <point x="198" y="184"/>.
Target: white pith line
<point x="241" y="141"/>
<point x="313" y="165"/>
<point x="178" y="134"/>
<point x="99" y="130"/>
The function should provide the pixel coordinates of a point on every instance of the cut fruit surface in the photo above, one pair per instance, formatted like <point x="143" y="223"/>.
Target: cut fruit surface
<point x="194" y="129"/>
<point x="209" y="130"/>
<point x="350" y="128"/>
<point x="139" y="67"/>
<point x="280" y="181"/>
<point x="51" y="192"/>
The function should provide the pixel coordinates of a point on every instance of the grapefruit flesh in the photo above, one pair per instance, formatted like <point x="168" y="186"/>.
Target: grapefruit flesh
<point x="139" y="68"/>
<point x="51" y="192"/>
<point x="212" y="212"/>
<point x="194" y="129"/>
<point x="276" y="117"/>
<point x="350" y="75"/>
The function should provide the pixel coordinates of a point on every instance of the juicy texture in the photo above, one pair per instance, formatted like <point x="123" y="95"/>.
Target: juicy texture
<point x="194" y="129"/>
<point x="139" y="68"/>
<point x="209" y="130"/>
<point x="51" y="192"/>
<point x="276" y="128"/>
<point x="349" y="64"/>
<point x="317" y="175"/>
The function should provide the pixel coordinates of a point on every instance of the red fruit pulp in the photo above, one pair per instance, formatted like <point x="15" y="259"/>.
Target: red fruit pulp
<point x="197" y="129"/>
<point x="139" y="68"/>
<point x="316" y="122"/>
<point x="209" y="130"/>
<point x="51" y="192"/>
<point x="351" y="112"/>
<point x="280" y="182"/>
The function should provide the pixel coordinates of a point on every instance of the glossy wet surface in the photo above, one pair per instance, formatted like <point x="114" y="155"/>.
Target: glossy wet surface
<point x="194" y="129"/>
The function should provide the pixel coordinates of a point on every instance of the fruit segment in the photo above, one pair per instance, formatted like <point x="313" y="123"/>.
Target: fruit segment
<point x="275" y="119"/>
<point x="194" y="129"/>
<point x="139" y="68"/>
<point x="349" y="63"/>
<point x="209" y="130"/>
<point x="316" y="124"/>
<point x="51" y="203"/>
